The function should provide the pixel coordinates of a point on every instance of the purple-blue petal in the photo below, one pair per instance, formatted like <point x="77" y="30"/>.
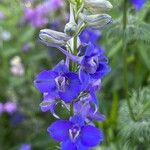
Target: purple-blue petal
<point x="91" y="136"/>
<point x="89" y="35"/>
<point x="74" y="83"/>
<point x="99" y="50"/>
<point x="84" y="78"/>
<point x="61" y="67"/>
<point x="98" y="116"/>
<point x="101" y="72"/>
<point x="46" y="105"/>
<point x="53" y="94"/>
<point x="49" y="105"/>
<point x="94" y="98"/>
<point x="82" y="108"/>
<point x="103" y="59"/>
<point x="68" y="145"/>
<point x="44" y="81"/>
<point x="81" y="146"/>
<point x="89" y="50"/>
<point x="94" y="85"/>
<point x="59" y="130"/>
<point x="73" y="88"/>
<point x="68" y="96"/>
<point x="52" y="110"/>
<point x="77" y="119"/>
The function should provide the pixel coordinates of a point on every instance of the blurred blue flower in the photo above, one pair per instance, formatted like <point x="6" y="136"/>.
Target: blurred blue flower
<point x="59" y="83"/>
<point x="138" y="4"/>
<point x="74" y="134"/>
<point x="17" y="118"/>
<point x="27" y="46"/>
<point x="25" y="147"/>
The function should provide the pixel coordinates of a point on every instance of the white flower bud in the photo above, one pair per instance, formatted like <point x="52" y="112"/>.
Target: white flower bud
<point x="70" y="28"/>
<point x="53" y="38"/>
<point x="96" y="21"/>
<point x="17" y="67"/>
<point x="16" y="60"/>
<point x="98" y="6"/>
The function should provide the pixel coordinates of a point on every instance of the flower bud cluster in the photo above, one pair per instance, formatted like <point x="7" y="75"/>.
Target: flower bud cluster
<point x="75" y="81"/>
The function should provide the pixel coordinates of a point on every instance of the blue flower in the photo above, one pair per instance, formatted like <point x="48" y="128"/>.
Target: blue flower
<point x="17" y="118"/>
<point x="25" y="147"/>
<point x="74" y="134"/>
<point x="94" y="64"/>
<point x="94" y="85"/>
<point x="59" y="83"/>
<point x="138" y="4"/>
<point x="89" y="35"/>
<point x="87" y="107"/>
<point x="49" y="104"/>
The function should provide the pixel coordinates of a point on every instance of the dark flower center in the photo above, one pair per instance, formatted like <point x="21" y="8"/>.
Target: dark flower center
<point x="60" y="83"/>
<point x="74" y="132"/>
<point x="91" y="64"/>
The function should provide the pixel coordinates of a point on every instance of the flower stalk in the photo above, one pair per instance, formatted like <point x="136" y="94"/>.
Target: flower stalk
<point x="125" y="63"/>
<point x="73" y="45"/>
<point x="75" y="81"/>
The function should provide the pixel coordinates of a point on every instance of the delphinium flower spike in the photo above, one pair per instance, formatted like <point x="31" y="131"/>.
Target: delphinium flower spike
<point x="74" y="82"/>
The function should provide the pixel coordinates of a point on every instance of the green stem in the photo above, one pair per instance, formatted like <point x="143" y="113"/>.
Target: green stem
<point x="125" y="47"/>
<point x="71" y="109"/>
<point x="73" y="45"/>
<point x="125" y="9"/>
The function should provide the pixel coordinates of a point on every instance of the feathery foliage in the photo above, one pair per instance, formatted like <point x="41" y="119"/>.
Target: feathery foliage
<point x="138" y="131"/>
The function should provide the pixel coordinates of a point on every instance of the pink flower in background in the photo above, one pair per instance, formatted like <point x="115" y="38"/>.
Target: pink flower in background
<point x="27" y="46"/>
<point x="2" y="16"/>
<point x="55" y="4"/>
<point x="35" y="16"/>
<point x="10" y="107"/>
<point x="38" y="16"/>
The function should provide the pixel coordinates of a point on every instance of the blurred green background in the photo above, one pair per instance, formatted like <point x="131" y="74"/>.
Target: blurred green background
<point x="23" y="56"/>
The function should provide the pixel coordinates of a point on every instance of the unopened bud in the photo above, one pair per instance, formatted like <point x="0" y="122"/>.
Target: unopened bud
<point x="96" y="21"/>
<point x="53" y="38"/>
<point x="70" y="28"/>
<point x="98" y="6"/>
<point x="15" y="61"/>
